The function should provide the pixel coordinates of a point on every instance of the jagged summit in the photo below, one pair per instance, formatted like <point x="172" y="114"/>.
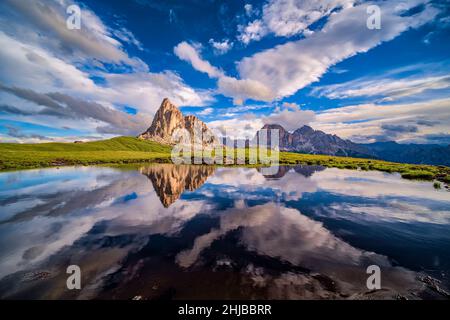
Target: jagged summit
<point x="166" y="120"/>
<point x="169" y="118"/>
<point x="308" y="140"/>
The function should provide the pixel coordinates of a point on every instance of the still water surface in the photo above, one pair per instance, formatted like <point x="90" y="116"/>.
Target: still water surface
<point x="196" y="232"/>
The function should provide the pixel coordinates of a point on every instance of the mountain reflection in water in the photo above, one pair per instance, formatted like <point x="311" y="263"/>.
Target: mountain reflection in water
<point x="169" y="181"/>
<point x="176" y="231"/>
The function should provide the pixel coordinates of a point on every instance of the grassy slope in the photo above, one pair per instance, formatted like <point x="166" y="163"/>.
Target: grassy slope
<point x="116" y="150"/>
<point x="132" y="150"/>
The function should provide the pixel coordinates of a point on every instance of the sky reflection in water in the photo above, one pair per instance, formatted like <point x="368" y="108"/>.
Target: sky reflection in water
<point x="165" y="231"/>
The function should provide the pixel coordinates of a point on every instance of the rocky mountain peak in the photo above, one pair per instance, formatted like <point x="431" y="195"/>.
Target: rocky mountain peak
<point x="308" y="140"/>
<point x="168" y="119"/>
<point x="306" y="130"/>
<point x="274" y="127"/>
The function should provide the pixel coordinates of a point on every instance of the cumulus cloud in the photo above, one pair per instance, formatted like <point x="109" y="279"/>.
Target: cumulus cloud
<point x="238" y="128"/>
<point x="221" y="47"/>
<point x="291" y="117"/>
<point x="244" y="89"/>
<point x="48" y="19"/>
<point x="145" y="90"/>
<point x="289" y="67"/>
<point x="286" y="18"/>
<point x="254" y="31"/>
<point x="27" y="65"/>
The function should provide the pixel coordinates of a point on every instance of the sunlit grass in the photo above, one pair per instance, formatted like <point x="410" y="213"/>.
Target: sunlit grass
<point x="116" y="150"/>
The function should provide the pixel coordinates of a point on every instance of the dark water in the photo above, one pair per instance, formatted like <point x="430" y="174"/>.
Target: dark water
<point x="188" y="232"/>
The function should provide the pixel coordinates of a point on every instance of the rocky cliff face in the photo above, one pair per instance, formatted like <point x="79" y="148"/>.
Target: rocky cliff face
<point x="170" y="181"/>
<point x="308" y="140"/>
<point x="168" y="119"/>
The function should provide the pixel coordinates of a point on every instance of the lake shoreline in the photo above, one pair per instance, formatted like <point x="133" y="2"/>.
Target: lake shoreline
<point x="130" y="150"/>
<point x="407" y="171"/>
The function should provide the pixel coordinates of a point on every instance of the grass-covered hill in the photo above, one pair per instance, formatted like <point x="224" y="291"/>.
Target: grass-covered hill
<point x="114" y="144"/>
<point x="115" y="150"/>
<point x="122" y="150"/>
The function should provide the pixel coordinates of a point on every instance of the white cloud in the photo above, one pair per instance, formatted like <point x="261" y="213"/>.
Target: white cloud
<point x="221" y="47"/>
<point x="43" y="23"/>
<point x="190" y="54"/>
<point x="388" y="89"/>
<point x="238" y="89"/>
<point x="244" y="89"/>
<point x="239" y="128"/>
<point x="283" y="70"/>
<point x="30" y="66"/>
<point x="205" y="112"/>
<point x="254" y="31"/>
<point x="66" y="107"/>
<point x="288" y="17"/>
<point x="249" y="10"/>
<point x="291" y="117"/>
<point x="127" y="36"/>
<point x="146" y="90"/>
<point x="363" y="122"/>
<point x="25" y="65"/>
<point x="291" y="66"/>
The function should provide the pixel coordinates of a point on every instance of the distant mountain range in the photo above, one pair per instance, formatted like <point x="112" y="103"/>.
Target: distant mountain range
<point x="168" y="118"/>
<point x="308" y="140"/>
<point x="411" y="153"/>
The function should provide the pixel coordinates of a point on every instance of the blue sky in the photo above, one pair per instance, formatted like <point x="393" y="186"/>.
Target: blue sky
<point x="235" y="64"/>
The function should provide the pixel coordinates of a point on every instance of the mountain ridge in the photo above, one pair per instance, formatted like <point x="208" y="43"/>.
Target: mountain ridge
<point x="169" y="119"/>
<point x="307" y="140"/>
<point x="433" y="154"/>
